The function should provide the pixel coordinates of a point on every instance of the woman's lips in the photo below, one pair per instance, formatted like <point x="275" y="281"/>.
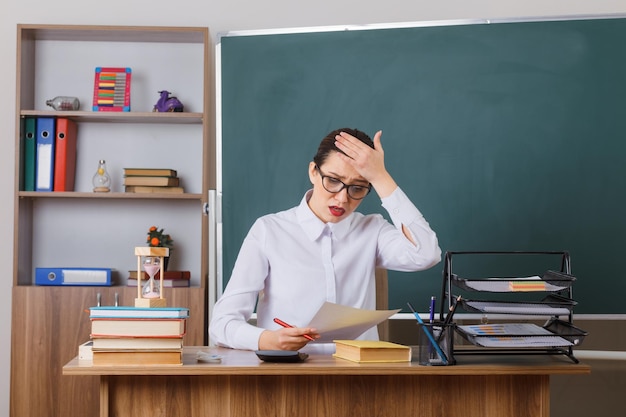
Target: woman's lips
<point x="336" y="211"/>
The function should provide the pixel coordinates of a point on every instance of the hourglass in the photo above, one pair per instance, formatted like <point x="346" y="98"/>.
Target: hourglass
<point x="150" y="294"/>
<point x="151" y="289"/>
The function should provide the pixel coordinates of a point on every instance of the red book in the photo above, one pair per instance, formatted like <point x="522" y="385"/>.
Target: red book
<point x="65" y="155"/>
<point x="168" y="275"/>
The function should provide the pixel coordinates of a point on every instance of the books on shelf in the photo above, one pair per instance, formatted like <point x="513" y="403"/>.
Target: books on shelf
<point x="138" y="357"/>
<point x="145" y="189"/>
<point x="152" y="181"/>
<point x="180" y="275"/>
<point x="138" y="312"/>
<point x="150" y="172"/>
<point x="137" y="327"/>
<point x="371" y="351"/>
<point x="136" y="343"/>
<point x="167" y="283"/>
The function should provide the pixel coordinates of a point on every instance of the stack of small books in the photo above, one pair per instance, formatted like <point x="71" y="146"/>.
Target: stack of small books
<point x="151" y="180"/>
<point x="137" y="336"/>
<point x="171" y="279"/>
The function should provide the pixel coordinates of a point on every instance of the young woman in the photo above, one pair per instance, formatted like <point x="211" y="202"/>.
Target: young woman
<point x="293" y="261"/>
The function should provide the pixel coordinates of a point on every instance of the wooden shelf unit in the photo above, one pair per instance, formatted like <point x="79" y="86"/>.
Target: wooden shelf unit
<point x="48" y="323"/>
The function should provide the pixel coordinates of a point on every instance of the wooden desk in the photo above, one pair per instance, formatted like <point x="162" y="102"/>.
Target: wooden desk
<point x="242" y="385"/>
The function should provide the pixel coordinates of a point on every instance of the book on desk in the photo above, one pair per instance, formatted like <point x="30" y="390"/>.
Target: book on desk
<point x="363" y="351"/>
<point x="138" y="357"/>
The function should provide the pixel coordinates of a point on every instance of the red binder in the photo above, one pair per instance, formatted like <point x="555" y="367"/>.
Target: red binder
<point x="65" y="155"/>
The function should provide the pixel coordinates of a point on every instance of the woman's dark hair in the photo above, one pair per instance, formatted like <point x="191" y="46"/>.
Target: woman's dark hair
<point x="328" y="144"/>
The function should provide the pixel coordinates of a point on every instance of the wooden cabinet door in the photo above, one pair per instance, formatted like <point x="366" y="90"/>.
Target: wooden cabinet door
<point x="48" y="324"/>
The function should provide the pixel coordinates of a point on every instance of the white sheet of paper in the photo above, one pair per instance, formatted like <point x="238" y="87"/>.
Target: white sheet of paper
<point x="335" y="321"/>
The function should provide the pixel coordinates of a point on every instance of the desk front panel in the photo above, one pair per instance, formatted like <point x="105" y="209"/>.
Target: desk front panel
<point x="242" y="385"/>
<point x="330" y="395"/>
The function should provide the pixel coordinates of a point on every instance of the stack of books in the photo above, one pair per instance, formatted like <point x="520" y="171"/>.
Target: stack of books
<point x="171" y="279"/>
<point x="151" y="180"/>
<point x="137" y="336"/>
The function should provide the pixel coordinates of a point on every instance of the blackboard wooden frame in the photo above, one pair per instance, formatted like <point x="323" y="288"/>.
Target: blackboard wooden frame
<point x="508" y="135"/>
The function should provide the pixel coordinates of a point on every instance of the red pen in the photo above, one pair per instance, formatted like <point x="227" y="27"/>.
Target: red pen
<point x="282" y="323"/>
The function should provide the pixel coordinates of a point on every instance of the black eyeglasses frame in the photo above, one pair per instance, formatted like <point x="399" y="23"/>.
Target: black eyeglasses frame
<point x="343" y="185"/>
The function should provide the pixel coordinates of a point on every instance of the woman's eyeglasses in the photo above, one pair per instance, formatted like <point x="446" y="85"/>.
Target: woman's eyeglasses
<point x="335" y="185"/>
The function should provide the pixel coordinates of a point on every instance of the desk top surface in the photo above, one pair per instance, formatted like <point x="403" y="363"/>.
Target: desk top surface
<point x="242" y="362"/>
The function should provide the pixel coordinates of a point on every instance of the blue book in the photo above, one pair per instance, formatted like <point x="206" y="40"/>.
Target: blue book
<point x="125" y="312"/>
<point x="45" y="154"/>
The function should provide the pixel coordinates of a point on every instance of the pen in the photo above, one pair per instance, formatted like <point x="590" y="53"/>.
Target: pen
<point x="434" y="343"/>
<point x="432" y="309"/>
<point x="282" y="323"/>
<point x="448" y="318"/>
<point x="452" y="310"/>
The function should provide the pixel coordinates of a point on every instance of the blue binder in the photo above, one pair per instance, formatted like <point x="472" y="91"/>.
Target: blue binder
<point x="73" y="276"/>
<point x="45" y="154"/>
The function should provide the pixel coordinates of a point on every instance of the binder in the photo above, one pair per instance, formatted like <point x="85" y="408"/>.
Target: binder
<point x="29" y="154"/>
<point x="65" y="155"/>
<point x="73" y="276"/>
<point x="45" y="154"/>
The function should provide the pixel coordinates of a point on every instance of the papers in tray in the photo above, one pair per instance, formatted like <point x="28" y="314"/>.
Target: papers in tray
<point x="512" y="335"/>
<point x="509" y="285"/>
<point x="522" y="342"/>
<point x="517" y="308"/>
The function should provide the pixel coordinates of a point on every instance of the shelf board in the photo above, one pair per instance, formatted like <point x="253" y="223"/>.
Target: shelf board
<point x="118" y="196"/>
<point x="88" y="33"/>
<point x="120" y="117"/>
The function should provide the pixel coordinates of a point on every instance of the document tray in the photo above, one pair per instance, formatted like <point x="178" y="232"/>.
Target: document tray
<point x="551" y="305"/>
<point x="554" y="334"/>
<point x="551" y="281"/>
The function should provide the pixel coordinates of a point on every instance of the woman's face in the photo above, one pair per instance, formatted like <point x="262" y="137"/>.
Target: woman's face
<point x="333" y="207"/>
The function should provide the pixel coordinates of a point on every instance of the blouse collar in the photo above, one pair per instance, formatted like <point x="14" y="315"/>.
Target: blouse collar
<point x="313" y="227"/>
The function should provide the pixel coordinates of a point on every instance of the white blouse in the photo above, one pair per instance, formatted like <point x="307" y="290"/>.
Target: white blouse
<point x="291" y="263"/>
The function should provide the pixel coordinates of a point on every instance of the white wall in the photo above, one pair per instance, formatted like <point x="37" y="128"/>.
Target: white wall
<point x="222" y="16"/>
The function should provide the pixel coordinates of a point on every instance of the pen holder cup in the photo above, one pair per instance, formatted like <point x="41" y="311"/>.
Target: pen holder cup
<point x="430" y="354"/>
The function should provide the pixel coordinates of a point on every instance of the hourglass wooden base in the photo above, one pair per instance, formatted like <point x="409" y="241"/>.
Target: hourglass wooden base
<point x="150" y="302"/>
<point x="160" y="253"/>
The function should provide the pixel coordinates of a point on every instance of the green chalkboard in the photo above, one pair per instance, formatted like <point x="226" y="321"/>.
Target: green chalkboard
<point x="507" y="136"/>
